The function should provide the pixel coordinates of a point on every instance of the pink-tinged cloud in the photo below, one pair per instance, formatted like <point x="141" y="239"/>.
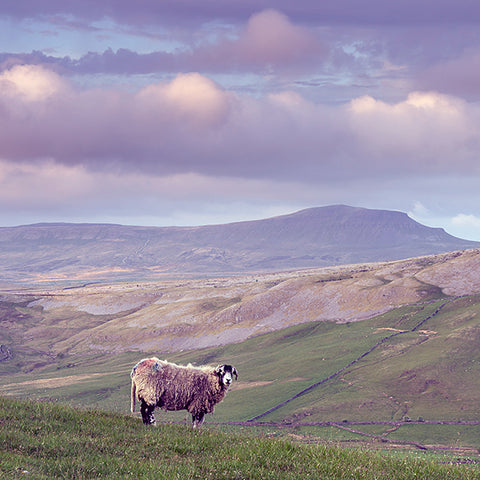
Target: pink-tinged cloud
<point x="268" y="41"/>
<point x="373" y="57"/>
<point x="162" y="125"/>
<point x="191" y="124"/>
<point x="30" y="84"/>
<point x="271" y="39"/>
<point x="190" y="98"/>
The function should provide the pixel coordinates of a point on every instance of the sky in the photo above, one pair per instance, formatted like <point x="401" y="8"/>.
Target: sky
<point x="180" y="112"/>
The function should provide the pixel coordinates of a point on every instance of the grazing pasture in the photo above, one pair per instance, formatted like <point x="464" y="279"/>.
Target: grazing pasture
<point x="50" y="441"/>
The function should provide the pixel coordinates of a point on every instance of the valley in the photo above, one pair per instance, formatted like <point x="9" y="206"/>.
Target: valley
<point x="393" y="344"/>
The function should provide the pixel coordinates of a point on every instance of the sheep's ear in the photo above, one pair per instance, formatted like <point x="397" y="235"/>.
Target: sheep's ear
<point x="235" y="373"/>
<point x="219" y="370"/>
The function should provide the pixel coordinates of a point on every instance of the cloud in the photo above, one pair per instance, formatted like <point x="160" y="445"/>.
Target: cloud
<point x="458" y="76"/>
<point x="465" y="226"/>
<point x="351" y="49"/>
<point x="97" y="127"/>
<point x="191" y="124"/>
<point x="419" y="210"/>
<point x="192" y="98"/>
<point x="25" y="83"/>
<point x="42" y="185"/>
<point x="463" y="220"/>
<point x="270" y="39"/>
<point x="57" y="192"/>
<point x="268" y="42"/>
<point x="424" y="132"/>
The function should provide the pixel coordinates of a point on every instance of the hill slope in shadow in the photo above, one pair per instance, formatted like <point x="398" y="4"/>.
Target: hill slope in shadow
<point x="315" y="237"/>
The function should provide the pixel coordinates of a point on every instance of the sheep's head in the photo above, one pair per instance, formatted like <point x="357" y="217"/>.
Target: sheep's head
<point x="226" y="374"/>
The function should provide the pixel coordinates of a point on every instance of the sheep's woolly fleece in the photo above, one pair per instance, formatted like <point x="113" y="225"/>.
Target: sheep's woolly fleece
<point x="175" y="387"/>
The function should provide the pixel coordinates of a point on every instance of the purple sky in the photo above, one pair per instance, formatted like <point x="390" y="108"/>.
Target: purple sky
<point x="185" y="113"/>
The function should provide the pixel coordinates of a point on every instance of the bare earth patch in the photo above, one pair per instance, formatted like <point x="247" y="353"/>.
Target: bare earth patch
<point x="53" y="382"/>
<point x="243" y="385"/>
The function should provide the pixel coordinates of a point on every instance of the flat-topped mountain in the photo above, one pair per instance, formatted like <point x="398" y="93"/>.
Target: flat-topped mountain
<point x="313" y="237"/>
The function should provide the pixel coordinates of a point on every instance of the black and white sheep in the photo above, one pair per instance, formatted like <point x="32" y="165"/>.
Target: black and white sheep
<point x="158" y="383"/>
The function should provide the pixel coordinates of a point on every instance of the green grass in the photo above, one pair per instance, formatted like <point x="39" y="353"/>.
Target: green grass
<point x="432" y="374"/>
<point x="50" y="441"/>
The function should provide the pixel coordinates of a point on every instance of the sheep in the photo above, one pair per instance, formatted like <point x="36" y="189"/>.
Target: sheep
<point x="159" y="383"/>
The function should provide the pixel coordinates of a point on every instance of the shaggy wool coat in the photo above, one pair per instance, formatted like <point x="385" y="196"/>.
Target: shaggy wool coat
<point x="175" y="387"/>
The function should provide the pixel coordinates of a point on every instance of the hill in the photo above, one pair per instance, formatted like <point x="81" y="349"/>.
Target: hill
<point x="396" y="341"/>
<point x="314" y="237"/>
<point x="48" y="441"/>
<point x="168" y="316"/>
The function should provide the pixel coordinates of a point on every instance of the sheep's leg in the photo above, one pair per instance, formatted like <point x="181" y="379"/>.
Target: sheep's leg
<point x="147" y="413"/>
<point x="198" y="419"/>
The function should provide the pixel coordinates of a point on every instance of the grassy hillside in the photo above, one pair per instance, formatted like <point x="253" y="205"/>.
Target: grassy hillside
<point x="416" y="377"/>
<point x="49" y="441"/>
<point x="394" y="342"/>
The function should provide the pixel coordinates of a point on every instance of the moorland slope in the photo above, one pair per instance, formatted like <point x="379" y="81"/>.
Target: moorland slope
<point x="314" y="237"/>
<point x="412" y="324"/>
<point x="169" y="316"/>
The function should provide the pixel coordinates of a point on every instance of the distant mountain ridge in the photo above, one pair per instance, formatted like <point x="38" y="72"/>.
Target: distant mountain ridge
<point x="313" y="237"/>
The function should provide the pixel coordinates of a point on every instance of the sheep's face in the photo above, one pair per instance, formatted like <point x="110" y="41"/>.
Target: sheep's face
<point x="226" y="374"/>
